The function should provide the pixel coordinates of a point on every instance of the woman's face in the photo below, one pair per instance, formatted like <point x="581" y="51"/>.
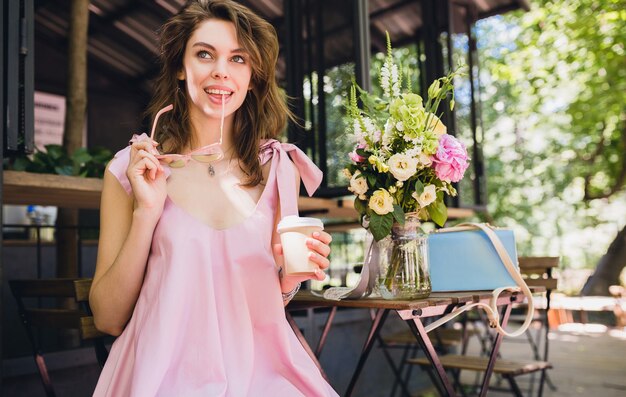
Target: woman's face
<point x="215" y="65"/>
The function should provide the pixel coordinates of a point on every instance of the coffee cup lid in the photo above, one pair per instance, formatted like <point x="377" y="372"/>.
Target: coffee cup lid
<point x="292" y="221"/>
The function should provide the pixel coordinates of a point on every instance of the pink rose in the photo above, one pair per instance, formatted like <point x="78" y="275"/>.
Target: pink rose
<point x="451" y="159"/>
<point x="354" y="156"/>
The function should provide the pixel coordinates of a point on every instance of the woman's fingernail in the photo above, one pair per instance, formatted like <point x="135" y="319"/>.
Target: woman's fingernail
<point x="311" y="255"/>
<point x="316" y="234"/>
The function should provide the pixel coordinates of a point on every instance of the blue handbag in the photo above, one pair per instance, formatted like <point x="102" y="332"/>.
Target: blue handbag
<point x="466" y="260"/>
<point x="475" y="256"/>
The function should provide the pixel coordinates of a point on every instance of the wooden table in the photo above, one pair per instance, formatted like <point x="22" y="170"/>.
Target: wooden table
<point x="412" y="312"/>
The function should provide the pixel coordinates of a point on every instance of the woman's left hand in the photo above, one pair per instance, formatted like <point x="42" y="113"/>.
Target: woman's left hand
<point x="319" y="245"/>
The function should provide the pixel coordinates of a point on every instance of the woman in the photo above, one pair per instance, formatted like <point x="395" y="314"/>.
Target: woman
<point x="185" y="273"/>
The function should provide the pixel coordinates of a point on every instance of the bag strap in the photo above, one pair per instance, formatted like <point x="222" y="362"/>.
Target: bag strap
<point x="491" y="308"/>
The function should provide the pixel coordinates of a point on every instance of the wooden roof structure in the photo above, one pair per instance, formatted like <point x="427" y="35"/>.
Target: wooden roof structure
<point x="122" y="33"/>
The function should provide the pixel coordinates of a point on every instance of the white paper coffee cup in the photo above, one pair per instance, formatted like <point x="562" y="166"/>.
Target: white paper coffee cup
<point x="294" y="231"/>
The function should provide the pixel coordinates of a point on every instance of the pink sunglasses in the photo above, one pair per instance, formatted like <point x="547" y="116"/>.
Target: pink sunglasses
<point x="205" y="154"/>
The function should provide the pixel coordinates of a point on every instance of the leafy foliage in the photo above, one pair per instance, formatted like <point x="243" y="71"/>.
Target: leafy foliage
<point x="555" y="108"/>
<point x="85" y="162"/>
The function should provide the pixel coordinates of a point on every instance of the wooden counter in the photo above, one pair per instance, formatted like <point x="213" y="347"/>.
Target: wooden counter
<point x="26" y="188"/>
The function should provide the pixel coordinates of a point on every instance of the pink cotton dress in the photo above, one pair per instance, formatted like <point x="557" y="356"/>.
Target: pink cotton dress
<point x="210" y="319"/>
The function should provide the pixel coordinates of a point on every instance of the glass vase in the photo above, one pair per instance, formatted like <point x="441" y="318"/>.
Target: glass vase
<point x="403" y="263"/>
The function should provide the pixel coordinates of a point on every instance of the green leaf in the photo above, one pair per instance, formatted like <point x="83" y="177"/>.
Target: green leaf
<point x="380" y="225"/>
<point x="81" y="156"/>
<point x="21" y="163"/>
<point x="419" y="186"/>
<point x="398" y="214"/>
<point x="55" y="151"/>
<point x="371" y="180"/>
<point x="64" y="170"/>
<point x="362" y="153"/>
<point x="438" y="212"/>
<point x="359" y="205"/>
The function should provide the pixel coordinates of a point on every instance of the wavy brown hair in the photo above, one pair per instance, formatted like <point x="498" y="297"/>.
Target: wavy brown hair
<point x="263" y="113"/>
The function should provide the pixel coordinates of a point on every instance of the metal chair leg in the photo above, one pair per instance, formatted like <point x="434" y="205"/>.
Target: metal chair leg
<point x="514" y="387"/>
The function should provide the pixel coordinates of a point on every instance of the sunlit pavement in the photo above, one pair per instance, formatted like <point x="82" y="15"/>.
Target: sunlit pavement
<point x="588" y="360"/>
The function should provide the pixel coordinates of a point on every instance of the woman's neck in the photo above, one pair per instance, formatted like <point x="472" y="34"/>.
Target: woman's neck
<point x="206" y="131"/>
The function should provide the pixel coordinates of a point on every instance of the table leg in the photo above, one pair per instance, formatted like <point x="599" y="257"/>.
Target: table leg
<point x="494" y="352"/>
<point x="329" y="322"/>
<point x="377" y="323"/>
<point x="445" y="388"/>
<point x="304" y="343"/>
<point x="396" y="371"/>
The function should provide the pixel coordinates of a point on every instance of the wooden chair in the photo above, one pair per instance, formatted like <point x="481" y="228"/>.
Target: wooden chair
<point x="80" y="319"/>
<point x="537" y="272"/>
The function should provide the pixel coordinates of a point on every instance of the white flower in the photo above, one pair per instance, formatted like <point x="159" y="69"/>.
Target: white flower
<point x="359" y="135"/>
<point x="392" y="189"/>
<point x="427" y="197"/>
<point x="347" y="173"/>
<point x="385" y="82"/>
<point x="400" y="126"/>
<point x="413" y="152"/>
<point x="369" y="125"/>
<point x="394" y="80"/>
<point x="381" y="202"/>
<point x="358" y="184"/>
<point x="376" y="136"/>
<point x="402" y="167"/>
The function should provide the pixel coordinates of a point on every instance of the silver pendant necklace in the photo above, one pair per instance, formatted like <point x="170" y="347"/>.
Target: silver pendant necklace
<point x="211" y="170"/>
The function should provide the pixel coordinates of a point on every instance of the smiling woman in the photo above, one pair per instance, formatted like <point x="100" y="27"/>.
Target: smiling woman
<point x="188" y="269"/>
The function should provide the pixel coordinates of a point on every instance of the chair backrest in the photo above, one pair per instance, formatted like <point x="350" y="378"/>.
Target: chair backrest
<point x="537" y="271"/>
<point x="76" y="289"/>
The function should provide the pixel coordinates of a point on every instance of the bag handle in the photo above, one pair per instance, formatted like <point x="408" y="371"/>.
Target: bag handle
<point x="491" y="308"/>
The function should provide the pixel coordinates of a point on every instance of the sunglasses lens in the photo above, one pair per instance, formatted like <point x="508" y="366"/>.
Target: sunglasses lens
<point x="177" y="164"/>
<point x="172" y="161"/>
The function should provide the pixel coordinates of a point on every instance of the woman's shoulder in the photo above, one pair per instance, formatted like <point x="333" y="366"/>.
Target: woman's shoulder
<point x="119" y="164"/>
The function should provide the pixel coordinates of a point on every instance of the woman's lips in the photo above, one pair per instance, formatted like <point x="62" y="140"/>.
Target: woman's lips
<point x="217" y="98"/>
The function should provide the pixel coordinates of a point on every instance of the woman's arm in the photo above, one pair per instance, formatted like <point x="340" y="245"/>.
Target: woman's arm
<point x="126" y="228"/>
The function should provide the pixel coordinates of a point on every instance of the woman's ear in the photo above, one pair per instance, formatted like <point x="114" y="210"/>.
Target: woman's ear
<point x="181" y="75"/>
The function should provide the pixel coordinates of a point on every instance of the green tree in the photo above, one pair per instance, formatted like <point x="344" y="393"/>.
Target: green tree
<point x="555" y="107"/>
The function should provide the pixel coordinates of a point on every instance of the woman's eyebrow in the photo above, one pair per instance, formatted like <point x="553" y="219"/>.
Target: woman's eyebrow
<point x="207" y="45"/>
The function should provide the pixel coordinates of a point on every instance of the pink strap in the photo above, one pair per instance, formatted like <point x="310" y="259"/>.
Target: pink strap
<point x="285" y="177"/>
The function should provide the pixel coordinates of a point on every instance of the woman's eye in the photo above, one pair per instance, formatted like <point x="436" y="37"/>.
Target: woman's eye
<point x="204" y="54"/>
<point x="238" y="59"/>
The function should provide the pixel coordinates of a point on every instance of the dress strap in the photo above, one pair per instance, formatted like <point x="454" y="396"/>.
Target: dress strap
<point x="285" y="176"/>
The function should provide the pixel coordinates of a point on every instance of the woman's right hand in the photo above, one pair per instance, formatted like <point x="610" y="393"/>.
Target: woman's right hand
<point x="147" y="177"/>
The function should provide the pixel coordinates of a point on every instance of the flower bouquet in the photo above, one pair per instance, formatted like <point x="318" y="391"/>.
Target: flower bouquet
<point x="404" y="162"/>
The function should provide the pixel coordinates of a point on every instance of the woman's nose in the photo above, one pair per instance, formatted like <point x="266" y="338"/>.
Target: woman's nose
<point x="220" y="71"/>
